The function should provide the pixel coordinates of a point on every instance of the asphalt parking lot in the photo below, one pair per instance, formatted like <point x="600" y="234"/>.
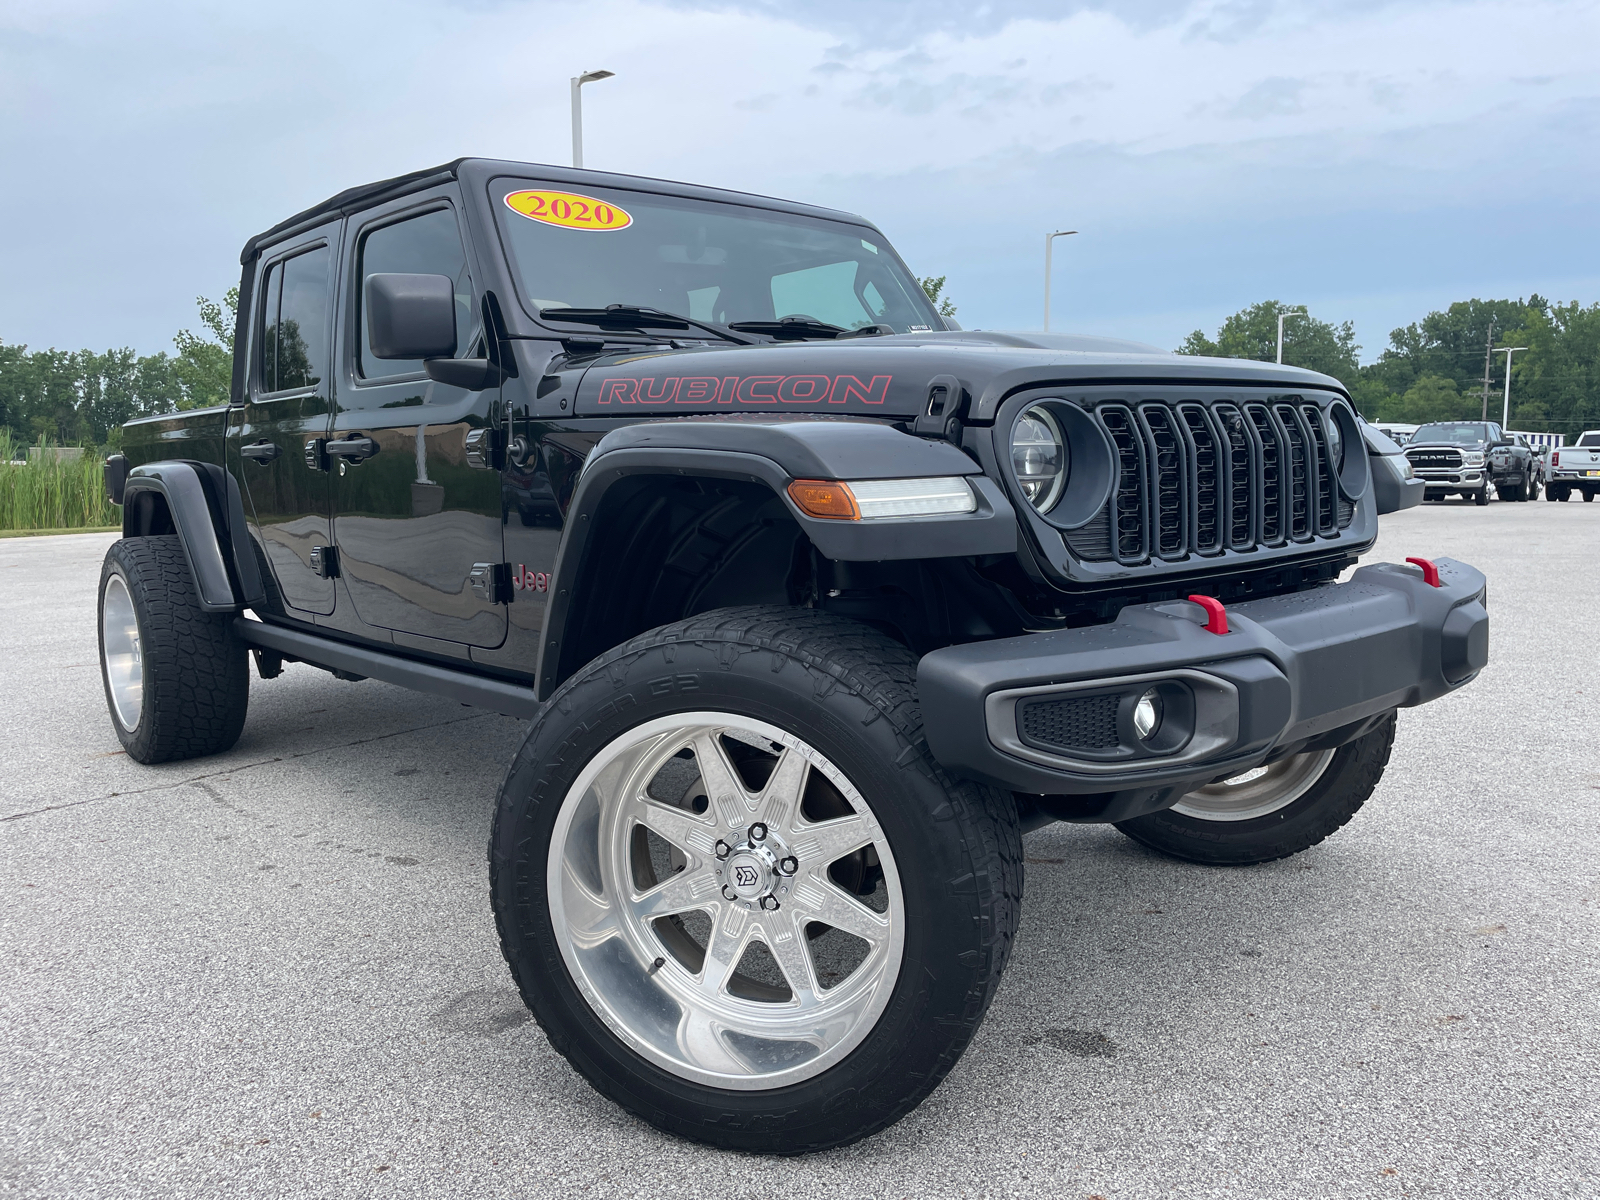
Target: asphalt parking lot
<point x="274" y="972"/>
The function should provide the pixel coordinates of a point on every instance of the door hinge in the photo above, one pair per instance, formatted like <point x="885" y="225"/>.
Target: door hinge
<point x="325" y="562"/>
<point x="485" y="449"/>
<point x="316" y="454"/>
<point x="491" y="582"/>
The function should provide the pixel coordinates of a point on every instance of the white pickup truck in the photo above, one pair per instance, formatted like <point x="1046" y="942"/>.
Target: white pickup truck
<point x="1575" y="468"/>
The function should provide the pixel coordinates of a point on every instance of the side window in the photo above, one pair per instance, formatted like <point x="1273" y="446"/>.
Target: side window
<point x="425" y="245"/>
<point x="294" y="322"/>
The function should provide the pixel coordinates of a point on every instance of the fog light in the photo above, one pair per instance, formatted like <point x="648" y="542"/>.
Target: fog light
<point x="1147" y="715"/>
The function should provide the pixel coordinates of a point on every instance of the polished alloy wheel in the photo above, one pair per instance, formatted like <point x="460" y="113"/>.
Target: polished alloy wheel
<point x="119" y="640"/>
<point x="1258" y="792"/>
<point x="726" y="901"/>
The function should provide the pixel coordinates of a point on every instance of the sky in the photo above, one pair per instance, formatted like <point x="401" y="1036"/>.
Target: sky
<point x="1372" y="160"/>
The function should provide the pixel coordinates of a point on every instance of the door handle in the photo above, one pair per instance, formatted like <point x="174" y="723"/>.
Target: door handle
<point x="262" y="452"/>
<point x="358" y="448"/>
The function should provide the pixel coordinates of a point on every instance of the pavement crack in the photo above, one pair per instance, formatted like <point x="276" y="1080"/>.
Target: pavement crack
<point x="198" y="781"/>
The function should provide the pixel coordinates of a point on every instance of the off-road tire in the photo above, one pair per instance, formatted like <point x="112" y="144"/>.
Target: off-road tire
<point x="848" y="691"/>
<point x="196" y="678"/>
<point x="1324" y="809"/>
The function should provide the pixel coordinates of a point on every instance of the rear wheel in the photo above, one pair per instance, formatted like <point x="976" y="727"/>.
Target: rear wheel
<point x="176" y="679"/>
<point x="736" y="891"/>
<point x="1273" y="811"/>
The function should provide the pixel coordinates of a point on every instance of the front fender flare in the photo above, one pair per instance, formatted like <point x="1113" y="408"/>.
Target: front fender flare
<point x="208" y="515"/>
<point x="774" y="454"/>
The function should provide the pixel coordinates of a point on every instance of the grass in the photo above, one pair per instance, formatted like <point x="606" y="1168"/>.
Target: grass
<point x="46" y="496"/>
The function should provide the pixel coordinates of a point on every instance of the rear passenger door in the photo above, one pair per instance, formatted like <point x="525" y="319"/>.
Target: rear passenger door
<point x="417" y="518"/>
<point x="274" y="443"/>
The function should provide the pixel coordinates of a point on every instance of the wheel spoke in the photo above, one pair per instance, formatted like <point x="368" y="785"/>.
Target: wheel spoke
<point x="727" y="794"/>
<point x="821" y="844"/>
<point x="724" y="948"/>
<point x="684" y="891"/>
<point x="828" y="904"/>
<point x="786" y="938"/>
<point x="684" y="830"/>
<point x="780" y="799"/>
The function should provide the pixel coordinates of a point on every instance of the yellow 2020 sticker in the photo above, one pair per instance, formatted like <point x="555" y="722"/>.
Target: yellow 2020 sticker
<point x="569" y="210"/>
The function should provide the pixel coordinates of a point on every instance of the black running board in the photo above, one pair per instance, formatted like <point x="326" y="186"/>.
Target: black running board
<point x="514" y="700"/>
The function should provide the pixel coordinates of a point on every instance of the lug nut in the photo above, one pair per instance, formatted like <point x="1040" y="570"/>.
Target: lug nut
<point x="770" y="903"/>
<point x="789" y="865"/>
<point x="723" y="849"/>
<point x="758" y="832"/>
<point x="728" y="893"/>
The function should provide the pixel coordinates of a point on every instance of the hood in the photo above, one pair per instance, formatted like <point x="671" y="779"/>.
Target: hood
<point x="891" y="376"/>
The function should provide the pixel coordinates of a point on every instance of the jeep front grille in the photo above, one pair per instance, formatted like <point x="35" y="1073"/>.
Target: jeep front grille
<point x="1194" y="478"/>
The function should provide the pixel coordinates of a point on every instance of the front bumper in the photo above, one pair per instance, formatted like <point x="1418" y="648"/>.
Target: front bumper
<point x="1308" y="669"/>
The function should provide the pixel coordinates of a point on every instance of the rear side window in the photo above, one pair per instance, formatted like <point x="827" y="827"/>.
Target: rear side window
<point x="294" y="322"/>
<point x="425" y="245"/>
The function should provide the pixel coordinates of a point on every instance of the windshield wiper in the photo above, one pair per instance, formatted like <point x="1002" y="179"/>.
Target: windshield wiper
<point x="790" y="329"/>
<point x="634" y="316"/>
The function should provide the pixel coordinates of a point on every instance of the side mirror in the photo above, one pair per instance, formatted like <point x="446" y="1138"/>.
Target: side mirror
<point x="411" y="316"/>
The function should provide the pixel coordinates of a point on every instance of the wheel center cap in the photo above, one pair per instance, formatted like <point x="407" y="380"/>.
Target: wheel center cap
<point x="747" y="875"/>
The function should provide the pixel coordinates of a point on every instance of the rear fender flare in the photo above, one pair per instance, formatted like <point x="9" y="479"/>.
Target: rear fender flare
<point x="207" y="513"/>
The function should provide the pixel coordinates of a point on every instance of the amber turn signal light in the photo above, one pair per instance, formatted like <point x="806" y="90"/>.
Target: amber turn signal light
<point x="824" y="498"/>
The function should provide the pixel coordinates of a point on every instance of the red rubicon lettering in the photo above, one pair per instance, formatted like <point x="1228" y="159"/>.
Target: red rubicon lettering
<point x="757" y="389"/>
<point x="666" y="393"/>
<point x="623" y="391"/>
<point x="730" y="385"/>
<point x="804" y="389"/>
<point x="698" y="390"/>
<point x="849" y="387"/>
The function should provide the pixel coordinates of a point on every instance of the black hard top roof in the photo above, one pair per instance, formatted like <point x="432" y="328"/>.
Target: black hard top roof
<point x="474" y="170"/>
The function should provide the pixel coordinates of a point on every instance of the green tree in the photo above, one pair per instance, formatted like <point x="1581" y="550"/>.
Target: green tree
<point x="203" y="368"/>
<point x="933" y="285"/>
<point x="1307" y="342"/>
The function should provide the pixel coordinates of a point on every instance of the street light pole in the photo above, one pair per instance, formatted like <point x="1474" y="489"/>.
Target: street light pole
<point x="1282" y="317"/>
<point x="1049" y="245"/>
<point x="1505" y="412"/>
<point x="577" y="110"/>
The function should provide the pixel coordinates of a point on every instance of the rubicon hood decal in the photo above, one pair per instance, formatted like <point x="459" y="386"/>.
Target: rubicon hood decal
<point x="845" y="392"/>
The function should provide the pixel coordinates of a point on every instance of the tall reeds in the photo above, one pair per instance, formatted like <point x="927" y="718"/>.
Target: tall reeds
<point x="46" y="493"/>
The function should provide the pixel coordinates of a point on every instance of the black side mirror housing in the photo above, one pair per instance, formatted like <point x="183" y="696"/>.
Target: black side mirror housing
<point x="411" y="316"/>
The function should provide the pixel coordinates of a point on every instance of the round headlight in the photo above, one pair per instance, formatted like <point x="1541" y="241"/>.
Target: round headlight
<point x="1039" y="457"/>
<point x="1335" y="440"/>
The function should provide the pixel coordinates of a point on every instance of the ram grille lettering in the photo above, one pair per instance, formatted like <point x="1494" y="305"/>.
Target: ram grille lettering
<point x="755" y="390"/>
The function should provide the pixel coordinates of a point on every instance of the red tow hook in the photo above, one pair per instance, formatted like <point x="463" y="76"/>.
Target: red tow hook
<point x="1430" y="573"/>
<point x="1216" y="615"/>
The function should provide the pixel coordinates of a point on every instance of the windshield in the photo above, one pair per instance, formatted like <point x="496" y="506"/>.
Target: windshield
<point x="1456" y="432"/>
<point x="701" y="259"/>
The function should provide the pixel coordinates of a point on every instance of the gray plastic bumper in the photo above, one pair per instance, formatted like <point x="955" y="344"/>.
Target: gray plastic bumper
<point x="1293" y="670"/>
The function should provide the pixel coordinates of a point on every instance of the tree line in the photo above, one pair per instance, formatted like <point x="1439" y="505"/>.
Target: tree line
<point x="82" y="397"/>
<point x="1434" y="369"/>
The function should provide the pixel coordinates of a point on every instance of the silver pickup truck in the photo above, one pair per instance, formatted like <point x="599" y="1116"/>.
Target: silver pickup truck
<point x="1575" y="468"/>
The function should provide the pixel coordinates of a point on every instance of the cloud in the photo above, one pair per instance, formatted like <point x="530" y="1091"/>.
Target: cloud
<point x="162" y="136"/>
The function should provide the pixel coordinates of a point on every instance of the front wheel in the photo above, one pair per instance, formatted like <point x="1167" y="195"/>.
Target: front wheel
<point x="1273" y="811"/>
<point x="738" y="893"/>
<point x="1481" y="496"/>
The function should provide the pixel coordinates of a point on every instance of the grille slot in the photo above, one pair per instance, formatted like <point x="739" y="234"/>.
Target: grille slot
<point x="1195" y="478"/>
<point x="1070" y="723"/>
<point x="1127" y="504"/>
<point x="1206" y="468"/>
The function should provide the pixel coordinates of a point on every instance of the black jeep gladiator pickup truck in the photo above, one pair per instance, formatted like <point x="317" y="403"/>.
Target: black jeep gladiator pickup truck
<point x="815" y="601"/>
